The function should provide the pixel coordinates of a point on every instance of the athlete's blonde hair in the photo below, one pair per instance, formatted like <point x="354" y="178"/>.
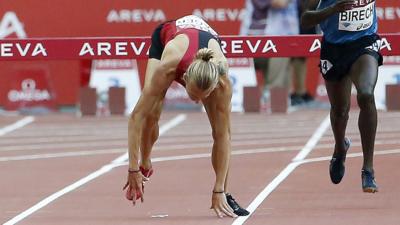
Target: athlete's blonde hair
<point x="202" y="71"/>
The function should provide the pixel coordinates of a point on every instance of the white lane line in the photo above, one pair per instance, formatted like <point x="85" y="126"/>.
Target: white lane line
<point x="244" y="152"/>
<point x="117" y="150"/>
<point x="58" y="194"/>
<point x="350" y="155"/>
<point x="19" y="124"/>
<point x="61" y="155"/>
<point x="170" y="124"/>
<point x="285" y="172"/>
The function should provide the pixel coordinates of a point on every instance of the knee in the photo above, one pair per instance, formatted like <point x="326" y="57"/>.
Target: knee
<point x="365" y="100"/>
<point x="341" y="112"/>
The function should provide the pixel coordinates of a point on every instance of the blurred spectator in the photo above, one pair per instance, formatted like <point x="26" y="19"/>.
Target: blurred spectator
<point x="255" y="23"/>
<point x="299" y="94"/>
<point x="269" y="17"/>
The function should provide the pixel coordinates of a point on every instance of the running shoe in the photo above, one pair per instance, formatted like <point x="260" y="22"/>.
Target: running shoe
<point x="237" y="209"/>
<point x="368" y="181"/>
<point x="336" y="167"/>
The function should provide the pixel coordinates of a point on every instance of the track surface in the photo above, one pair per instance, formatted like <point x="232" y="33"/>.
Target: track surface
<point x="60" y="169"/>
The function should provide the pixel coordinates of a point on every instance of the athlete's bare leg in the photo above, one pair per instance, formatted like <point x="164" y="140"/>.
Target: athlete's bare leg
<point x="364" y="74"/>
<point x="339" y="96"/>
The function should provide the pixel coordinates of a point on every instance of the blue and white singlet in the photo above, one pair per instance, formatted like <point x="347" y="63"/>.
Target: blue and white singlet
<point x="351" y="24"/>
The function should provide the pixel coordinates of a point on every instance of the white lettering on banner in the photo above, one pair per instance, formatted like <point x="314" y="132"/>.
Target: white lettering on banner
<point x="106" y="48"/>
<point x="315" y="45"/>
<point x="385" y="44"/>
<point x="10" y="24"/>
<point x="120" y="48"/>
<point x="103" y="47"/>
<point x="135" y="16"/>
<point x="253" y="48"/>
<point x="28" y="92"/>
<point x="391" y="60"/>
<point x="358" y="18"/>
<point x="139" y="50"/>
<point x="220" y="14"/>
<point x="388" y="13"/>
<point x="237" y="46"/>
<point x="10" y="49"/>
<point x="362" y="2"/>
<point x="86" y="49"/>
<point x="269" y="45"/>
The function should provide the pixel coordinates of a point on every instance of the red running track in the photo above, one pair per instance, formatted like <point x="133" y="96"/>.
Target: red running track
<point x="45" y="154"/>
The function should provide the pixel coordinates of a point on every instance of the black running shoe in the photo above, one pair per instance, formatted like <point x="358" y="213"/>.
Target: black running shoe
<point x="237" y="209"/>
<point x="368" y="181"/>
<point x="336" y="167"/>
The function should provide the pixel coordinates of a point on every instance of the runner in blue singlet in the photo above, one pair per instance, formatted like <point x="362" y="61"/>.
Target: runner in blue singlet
<point x="349" y="55"/>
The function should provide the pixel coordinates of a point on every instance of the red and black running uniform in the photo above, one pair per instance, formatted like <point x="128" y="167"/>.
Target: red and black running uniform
<point x="196" y="29"/>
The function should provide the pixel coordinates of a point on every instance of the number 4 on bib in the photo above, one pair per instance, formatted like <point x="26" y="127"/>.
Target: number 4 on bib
<point x="325" y="66"/>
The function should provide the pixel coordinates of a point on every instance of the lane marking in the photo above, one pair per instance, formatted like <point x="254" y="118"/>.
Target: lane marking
<point x="117" y="150"/>
<point x="298" y="163"/>
<point x="285" y="172"/>
<point x="19" y="124"/>
<point x="169" y="125"/>
<point x="106" y="168"/>
<point x="350" y="155"/>
<point x="121" y="150"/>
<point x="61" y="155"/>
<point x="121" y="162"/>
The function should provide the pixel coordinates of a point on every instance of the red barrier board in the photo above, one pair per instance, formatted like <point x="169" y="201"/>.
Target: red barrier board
<point x="137" y="47"/>
<point x="126" y="18"/>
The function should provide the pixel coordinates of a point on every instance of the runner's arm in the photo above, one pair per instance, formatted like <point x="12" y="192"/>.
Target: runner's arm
<point x="312" y="17"/>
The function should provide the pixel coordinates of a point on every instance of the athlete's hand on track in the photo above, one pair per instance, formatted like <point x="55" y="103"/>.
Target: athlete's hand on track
<point x="135" y="184"/>
<point x="220" y="205"/>
<point x="343" y="5"/>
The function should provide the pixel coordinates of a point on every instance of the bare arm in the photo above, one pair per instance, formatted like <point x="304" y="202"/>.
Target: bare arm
<point x="312" y="17"/>
<point x="218" y="107"/>
<point x="161" y="78"/>
<point x="149" y="97"/>
<point x="279" y="4"/>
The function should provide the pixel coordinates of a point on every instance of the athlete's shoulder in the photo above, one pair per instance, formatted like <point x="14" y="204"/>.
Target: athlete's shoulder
<point x="172" y="54"/>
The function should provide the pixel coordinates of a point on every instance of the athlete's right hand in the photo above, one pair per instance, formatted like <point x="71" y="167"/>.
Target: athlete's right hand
<point x="343" y="5"/>
<point x="135" y="186"/>
<point x="221" y="206"/>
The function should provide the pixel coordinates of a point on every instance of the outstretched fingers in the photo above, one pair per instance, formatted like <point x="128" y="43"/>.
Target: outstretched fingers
<point x="222" y="209"/>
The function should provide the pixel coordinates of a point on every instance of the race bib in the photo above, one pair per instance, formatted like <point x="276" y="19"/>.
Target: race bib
<point x="194" y="22"/>
<point x="359" y="18"/>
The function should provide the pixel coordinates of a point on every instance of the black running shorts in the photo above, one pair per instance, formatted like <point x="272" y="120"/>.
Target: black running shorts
<point x="337" y="59"/>
<point x="156" y="48"/>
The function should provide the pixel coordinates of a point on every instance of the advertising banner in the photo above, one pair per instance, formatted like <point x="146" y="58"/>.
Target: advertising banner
<point x="29" y="89"/>
<point x="115" y="73"/>
<point x="126" y="18"/>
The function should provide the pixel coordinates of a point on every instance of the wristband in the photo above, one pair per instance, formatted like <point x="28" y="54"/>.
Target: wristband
<point x="218" y="192"/>
<point x="133" y="171"/>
